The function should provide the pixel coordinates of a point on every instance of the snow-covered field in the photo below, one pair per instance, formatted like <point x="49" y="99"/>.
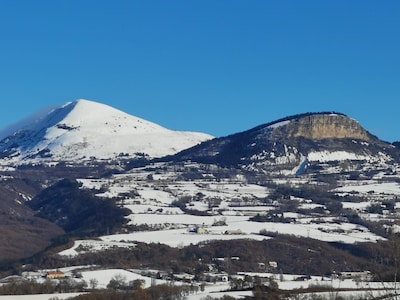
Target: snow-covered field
<point x="347" y="233"/>
<point x="177" y="237"/>
<point x="388" y="188"/>
<point x="87" y="246"/>
<point x="231" y="206"/>
<point x="151" y="206"/>
<point x="103" y="277"/>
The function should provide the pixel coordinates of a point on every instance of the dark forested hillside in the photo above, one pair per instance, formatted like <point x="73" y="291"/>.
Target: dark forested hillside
<point x="77" y="211"/>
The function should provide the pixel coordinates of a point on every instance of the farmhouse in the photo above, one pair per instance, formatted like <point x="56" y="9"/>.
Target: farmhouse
<point x="363" y="275"/>
<point x="184" y="277"/>
<point x="198" y="230"/>
<point x="217" y="277"/>
<point x="55" y="275"/>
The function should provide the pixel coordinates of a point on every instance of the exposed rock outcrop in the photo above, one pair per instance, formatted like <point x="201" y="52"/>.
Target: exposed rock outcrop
<point x="323" y="126"/>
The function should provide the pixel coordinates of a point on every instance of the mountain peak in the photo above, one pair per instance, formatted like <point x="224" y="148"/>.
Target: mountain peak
<point x="101" y="117"/>
<point x="84" y="129"/>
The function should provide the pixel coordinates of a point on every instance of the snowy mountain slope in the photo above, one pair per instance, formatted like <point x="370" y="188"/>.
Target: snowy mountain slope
<point x="83" y="129"/>
<point x="292" y="143"/>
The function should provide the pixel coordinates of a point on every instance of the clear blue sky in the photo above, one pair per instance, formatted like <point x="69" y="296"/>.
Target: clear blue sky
<point x="215" y="66"/>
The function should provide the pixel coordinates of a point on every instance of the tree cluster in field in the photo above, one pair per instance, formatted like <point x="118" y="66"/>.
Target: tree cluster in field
<point x="30" y="287"/>
<point x="117" y="288"/>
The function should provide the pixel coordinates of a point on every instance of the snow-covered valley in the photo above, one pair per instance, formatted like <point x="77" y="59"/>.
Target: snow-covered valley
<point x="227" y="214"/>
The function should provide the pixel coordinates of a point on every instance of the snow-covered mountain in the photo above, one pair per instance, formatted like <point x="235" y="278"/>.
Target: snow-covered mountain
<point x="83" y="130"/>
<point x="293" y="143"/>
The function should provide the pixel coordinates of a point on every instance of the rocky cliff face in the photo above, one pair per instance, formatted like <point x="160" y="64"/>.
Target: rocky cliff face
<point x="323" y="126"/>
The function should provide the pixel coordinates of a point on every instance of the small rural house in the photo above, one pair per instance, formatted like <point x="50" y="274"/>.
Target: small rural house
<point x="55" y="275"/>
